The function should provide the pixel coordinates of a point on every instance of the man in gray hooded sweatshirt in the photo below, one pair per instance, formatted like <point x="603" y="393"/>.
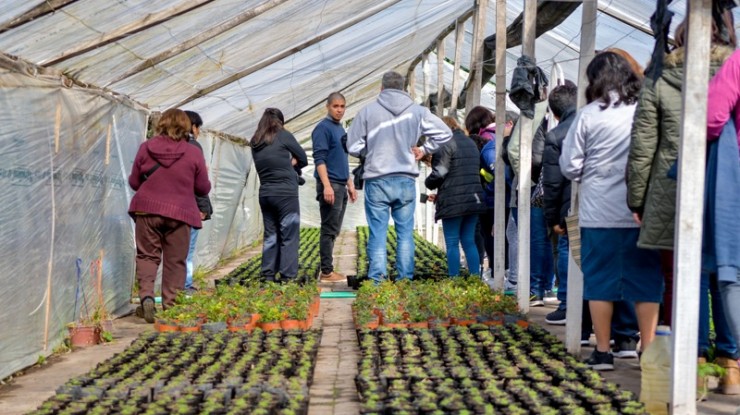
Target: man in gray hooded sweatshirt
<point x="387" y="130"/>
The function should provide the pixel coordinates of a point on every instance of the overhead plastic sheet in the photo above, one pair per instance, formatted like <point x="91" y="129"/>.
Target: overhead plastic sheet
<point x="64" y="153"/>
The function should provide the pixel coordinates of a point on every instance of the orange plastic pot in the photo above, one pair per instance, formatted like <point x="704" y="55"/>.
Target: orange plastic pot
<point x="396" y="325"/>
<point x="83" y="336"/>
<point x="192" y="329"/>
<point x="292" y="325"/>
<point x="269" y="326"/>
<point x="164" y="327"/>
<point x="419" y="325"/>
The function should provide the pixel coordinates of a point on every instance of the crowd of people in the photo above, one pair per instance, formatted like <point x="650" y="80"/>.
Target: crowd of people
<point x="620" y="147"/>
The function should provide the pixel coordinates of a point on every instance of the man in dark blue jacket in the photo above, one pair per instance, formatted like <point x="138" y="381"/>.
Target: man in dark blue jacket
<point x="333" y="184"/>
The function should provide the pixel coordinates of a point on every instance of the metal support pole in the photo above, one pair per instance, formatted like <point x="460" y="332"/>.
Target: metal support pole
<point x="499" y="216"/>
<point x="476" y="58"/>
<point x="526" y="130"/>
<point x="690" y="209"/>
<point x="574" y="312"/>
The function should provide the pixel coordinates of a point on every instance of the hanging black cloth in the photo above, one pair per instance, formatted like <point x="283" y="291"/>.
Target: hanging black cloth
<point x="528" y="85"/>
<point x="660" y="22"/>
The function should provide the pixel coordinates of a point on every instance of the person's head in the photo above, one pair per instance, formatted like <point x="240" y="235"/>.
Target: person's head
<point x="479" y="117"/>
<point x="270" y="124"/>
<point x="451" y="122"/>
<point x="610" y="73"/>
<point x="723" y="32"/>
<point x="511" y="120"/>
<point x="563" y="98"/>
<point x="196" y="123"/>
<point x="393" y="80"/>
<point x="335" y="105"/>
<point x="174" y="123"/>
<point x="636" y="67"/>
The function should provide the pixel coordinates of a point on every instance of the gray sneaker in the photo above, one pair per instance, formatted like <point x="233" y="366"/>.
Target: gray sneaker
<point x="550" y="298"/>
<point x="148" y="309"/>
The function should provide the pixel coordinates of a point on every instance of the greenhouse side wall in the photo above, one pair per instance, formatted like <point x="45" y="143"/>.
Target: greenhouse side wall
<point x="236" y="221"/>
<point x="64" y="156"/>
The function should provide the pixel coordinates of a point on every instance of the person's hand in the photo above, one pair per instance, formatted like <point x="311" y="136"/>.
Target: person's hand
<point x="637" y="217"/>
<point x="418" y="153"/>
<point x="293" y="161"/>
<point x="432" y="197"/>
<point x="202" y="215"/>
<point x="352" y="192"/>
<point x="558" y="230"/>
<point x="329" y="195"/>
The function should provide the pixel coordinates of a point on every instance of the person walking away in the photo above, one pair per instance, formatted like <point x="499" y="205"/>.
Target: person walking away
<point x="459" y="198"/>
<point x="333" y="184"/>
<point x="388" y="130"/>
<point x="557" y="189"/>
<point x="204" y="203"/>
<point x="541" y="255"/>
<point x="724" y="105"/>
<point x="480" y="123"/>
<point x="595" y="154"/>
<point x="166" y="172"/>
<point x="276" y="152"/>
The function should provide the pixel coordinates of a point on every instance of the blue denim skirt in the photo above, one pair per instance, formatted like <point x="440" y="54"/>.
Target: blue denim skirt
<point x="615" y="269"/>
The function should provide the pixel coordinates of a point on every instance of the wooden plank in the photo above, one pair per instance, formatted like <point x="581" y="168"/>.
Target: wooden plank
<point x="459" y="38"/>
<point x="690" y="209"/>
<point x="499" y="218"/>
<point x="440" y="76"/>
<point x="200" y="38"/>
<point x="287" y="52"/>
<point x="526" y="130"/>
<point x="574" y="312"/>
<point x="476" y="57"/>
<point x="123" y="31"/>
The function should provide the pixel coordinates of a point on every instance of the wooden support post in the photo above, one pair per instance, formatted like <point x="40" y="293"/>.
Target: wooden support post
<point x="690" y="209"/>
<point x="440" y="76"/>
<point x="459" y="38"/>
<point x="499" y="219"/>
<point x="426" y="75"/>
<point x="573" y="314"/>
<point x="411" y="80"/>
<point x="57" y="128"/>
<point x="107" y="144"/>
<point x="526" y="131"/>
<point x="476" y="57"/>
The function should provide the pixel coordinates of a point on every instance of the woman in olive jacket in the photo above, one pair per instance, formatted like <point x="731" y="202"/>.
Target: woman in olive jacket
<point x="459" y="198"/>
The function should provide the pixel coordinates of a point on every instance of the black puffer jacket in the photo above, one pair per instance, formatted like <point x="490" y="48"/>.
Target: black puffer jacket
<point x="455" y="173"/>
<point x="556" y="187"/>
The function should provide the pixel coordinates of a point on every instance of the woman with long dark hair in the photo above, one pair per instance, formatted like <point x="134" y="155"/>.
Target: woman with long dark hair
<point x="166" y="172"/>
<point x="276" y="155"/>
<point x="595" y="154"/>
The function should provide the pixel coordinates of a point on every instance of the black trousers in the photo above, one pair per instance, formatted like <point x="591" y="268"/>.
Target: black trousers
<point x="281" y="216"/>
<point x="332" y="216"/>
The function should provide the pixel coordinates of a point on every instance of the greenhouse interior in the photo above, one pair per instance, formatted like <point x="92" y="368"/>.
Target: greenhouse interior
<point x="368" y="308"/>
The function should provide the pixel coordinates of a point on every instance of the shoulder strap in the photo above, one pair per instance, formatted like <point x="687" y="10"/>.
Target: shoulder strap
<point x="149" y="172"/>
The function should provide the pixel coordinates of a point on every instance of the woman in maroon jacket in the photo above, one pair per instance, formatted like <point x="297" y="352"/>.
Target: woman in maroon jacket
<point x="166" y="172"/>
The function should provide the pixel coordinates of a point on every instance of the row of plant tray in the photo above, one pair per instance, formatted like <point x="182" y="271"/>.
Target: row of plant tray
<point x="253" y="323"/>
<point x="498" y="319"/>
<point x="205" y="373"/>
<point x="506" y="369"/>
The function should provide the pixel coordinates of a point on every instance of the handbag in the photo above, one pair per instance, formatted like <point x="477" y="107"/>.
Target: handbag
<point x="538" y="194"/>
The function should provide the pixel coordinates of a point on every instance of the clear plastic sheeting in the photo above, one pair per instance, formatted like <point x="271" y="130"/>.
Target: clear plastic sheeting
<point x="64" y="157"/>
<point x="236" y="221"/>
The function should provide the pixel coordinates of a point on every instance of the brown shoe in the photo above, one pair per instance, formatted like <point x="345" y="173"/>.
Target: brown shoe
<point x="332" y="277"/>
<point x="730" y="382"/>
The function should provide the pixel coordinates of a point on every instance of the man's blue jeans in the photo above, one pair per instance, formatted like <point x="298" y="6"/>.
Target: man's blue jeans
<point x="189" y="261"/>
<point x="563" y="271"/>
<point x="461" y="230"/>
<point x="385" y="197"/>
<point x="540" y="255"/>
<point x="724" y="341"/>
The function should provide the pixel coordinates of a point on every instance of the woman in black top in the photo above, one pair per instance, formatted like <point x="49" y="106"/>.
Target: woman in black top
<point x="277" y="155"/>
